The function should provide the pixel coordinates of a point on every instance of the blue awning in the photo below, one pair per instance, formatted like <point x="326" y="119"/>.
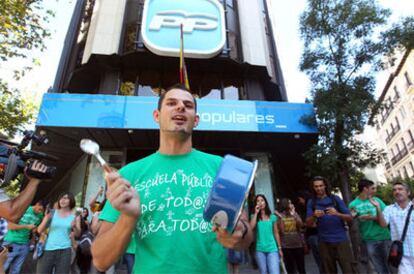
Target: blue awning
<point x="135" y="112"/>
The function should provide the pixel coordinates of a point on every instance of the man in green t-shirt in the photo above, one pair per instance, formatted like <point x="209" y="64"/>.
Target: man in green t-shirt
<point x="161" y="198"/>
<point x="18" y="237"/>
<point x="375" y="237"/>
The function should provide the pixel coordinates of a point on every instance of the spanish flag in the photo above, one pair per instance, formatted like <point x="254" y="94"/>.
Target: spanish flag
<point x="183" y="69"/>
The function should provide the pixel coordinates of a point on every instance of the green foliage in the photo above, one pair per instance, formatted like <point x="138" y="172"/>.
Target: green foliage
<point x="21" y="27"/>
<point x="21" y="31"/>
<point x="344" y="46"/>
<point x="15" y="111"/>
<point x="385" y="191"/>
<point x="400" y="36"/>
<point x="13" y="189"/>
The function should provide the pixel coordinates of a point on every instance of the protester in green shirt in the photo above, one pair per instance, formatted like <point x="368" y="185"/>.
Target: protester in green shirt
<point x="161" y="198"/>
<point x="268" y="246"/>
<point x="18" y="237"/>
<point x="375" y="237"/>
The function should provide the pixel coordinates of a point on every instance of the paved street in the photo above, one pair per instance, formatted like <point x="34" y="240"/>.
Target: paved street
<point x="311" y="267"/>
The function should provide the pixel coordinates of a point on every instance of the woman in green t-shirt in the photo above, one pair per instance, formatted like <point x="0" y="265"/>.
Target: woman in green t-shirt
<point x="267" y="236"/>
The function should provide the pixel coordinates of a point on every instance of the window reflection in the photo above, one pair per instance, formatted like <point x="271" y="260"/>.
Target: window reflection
<point x="228" y="93"/>
<point x="231" y="93"/>
<point x="146" y="91"/>
<point x="213" y="94"/>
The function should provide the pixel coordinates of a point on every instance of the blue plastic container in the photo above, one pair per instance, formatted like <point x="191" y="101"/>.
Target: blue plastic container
<point x="230" y="189"/>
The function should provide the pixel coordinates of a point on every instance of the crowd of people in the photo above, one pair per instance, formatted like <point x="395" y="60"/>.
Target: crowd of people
<point x="153" y="218"/>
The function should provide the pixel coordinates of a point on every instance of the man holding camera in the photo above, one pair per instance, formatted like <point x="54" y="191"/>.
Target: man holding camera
<point x="147" y="196"/>
<point x="13" y="209"/>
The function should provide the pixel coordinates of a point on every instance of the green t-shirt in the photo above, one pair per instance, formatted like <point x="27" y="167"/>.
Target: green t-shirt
<point x="370" y="230"/>
<point x="132" y="245"/>
<point x="171" y="234"/>
<point x="265" y="241"/>
<point x="21" y="236"/>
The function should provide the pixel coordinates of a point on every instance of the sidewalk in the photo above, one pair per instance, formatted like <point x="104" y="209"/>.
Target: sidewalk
<point x="310" y="267"/>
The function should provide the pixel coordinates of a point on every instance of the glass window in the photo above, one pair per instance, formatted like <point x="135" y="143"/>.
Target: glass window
<point x="213" y="94"/>
<point x="408" y="79"/>
<point x="231" y="93"/>
<point x="145" y="91"/>
<point x="397" y="94"/>
<point x="402" y="112"/>
<point x="405" y="172"/>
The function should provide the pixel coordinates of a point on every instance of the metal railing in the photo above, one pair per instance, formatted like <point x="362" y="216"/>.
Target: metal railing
<point x="399" y="156"/>
<point x="393" y="133"/>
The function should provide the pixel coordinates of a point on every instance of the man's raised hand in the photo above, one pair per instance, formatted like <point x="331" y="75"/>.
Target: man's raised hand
<point x="122" y="195"/>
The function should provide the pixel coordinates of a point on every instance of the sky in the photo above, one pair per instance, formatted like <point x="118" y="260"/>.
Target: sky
<point x="286" y="27"/>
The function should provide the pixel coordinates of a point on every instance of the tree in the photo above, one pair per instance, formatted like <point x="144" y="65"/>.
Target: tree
<point x="346" y="42"/>
<point x="14" y="110"/>
<point x="21" y="31"/>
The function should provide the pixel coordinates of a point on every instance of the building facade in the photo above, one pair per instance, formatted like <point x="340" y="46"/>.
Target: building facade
<point x="395" y="122"/>
<point x="119" y="55"/>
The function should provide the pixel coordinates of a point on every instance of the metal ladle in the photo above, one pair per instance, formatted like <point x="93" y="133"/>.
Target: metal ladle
<point x="92" y="148"/>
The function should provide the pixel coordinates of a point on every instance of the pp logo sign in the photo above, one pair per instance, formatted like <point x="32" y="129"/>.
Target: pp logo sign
<point x="203" y="27"/>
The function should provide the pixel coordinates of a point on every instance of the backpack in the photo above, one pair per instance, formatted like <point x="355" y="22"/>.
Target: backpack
<point x="85" y="243"/>
<point x="334" y="201"/>
<point x="335" y="204"/>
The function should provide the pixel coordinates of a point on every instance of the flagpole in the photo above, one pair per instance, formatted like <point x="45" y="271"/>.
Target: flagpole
<point x="183" y="69"/>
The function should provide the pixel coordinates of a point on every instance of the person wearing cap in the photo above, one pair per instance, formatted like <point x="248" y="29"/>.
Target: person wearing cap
<point x="161" y="198"/>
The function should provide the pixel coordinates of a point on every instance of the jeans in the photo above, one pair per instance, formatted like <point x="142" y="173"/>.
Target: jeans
<point x="268" y="262"/>
<point x="313" y="243"/>
<point x="58" y="259"/>
<point x="378" y="254"/>
<point x="129" y="260"/>
<point x="16" y="258"/>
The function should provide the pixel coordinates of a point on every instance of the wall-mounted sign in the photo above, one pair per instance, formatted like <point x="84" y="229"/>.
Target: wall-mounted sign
<point x="203" y="27"/>
<point x="135" y="112"/>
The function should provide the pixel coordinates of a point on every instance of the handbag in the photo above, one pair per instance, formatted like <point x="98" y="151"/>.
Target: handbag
<point x="396" y="250"/>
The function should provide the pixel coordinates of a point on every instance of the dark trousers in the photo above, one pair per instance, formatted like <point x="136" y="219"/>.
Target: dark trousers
<point x="336" y="252"/>
<point x="58" y="259"/>
<point x="129" y="260"/>
<point x="294" y="259"/>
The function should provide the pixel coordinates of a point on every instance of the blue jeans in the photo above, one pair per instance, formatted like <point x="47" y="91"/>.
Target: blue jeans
<point x="313" y="244"/>
<point x="268" y="262"/>
<point x="16" y="258"/>
<point x="378" y="254"/>
<point x="129" y="260"/>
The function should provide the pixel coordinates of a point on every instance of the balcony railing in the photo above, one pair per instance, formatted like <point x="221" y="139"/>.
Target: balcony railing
<point x="386" y="115"/>
<point x="393" y="133"/>
<point x="387" y="165"/>
<point x="399" y="156"/>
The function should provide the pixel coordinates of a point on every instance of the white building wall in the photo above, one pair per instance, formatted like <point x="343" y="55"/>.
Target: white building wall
<point x="105" y="31"/>
<point x="253" y="34"/>
<point x="395" y="127"/>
